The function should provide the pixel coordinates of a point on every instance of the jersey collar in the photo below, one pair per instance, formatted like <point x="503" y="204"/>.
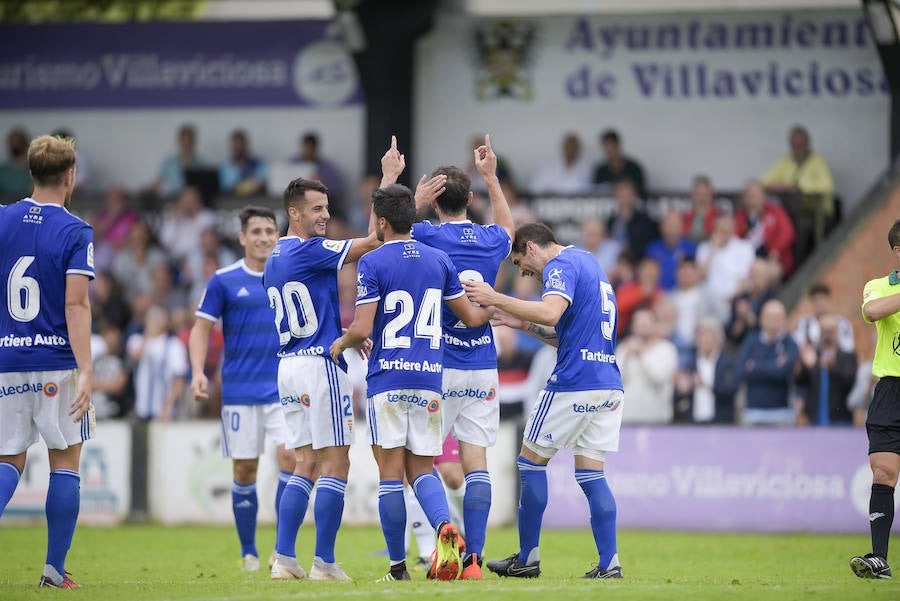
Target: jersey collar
<point x="250" y="271"/>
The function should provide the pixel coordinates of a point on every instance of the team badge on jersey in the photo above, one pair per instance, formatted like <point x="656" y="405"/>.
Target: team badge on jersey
<point x="51" y="389"/>
<point x="90" y="254"/>
<point x="334" y="246"/>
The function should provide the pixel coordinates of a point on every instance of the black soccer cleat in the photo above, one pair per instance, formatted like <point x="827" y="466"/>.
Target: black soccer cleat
<point x="615" y="572"/>
<point x="513" y="568"/>
<point x="870" y="566"/>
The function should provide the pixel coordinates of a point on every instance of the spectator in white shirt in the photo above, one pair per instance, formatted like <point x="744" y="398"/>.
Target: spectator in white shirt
<point x="808" y="331"/>
<point x="161" y="367"/>
<point x="725" y="261"/>
<point x="648" y="363"/>
<point x="571" y="174"/>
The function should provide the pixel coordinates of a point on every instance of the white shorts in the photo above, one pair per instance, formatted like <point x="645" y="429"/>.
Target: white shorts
<point x="37" y="402"/>
<point x="406" y="418"/>
<point x="471" y="410"/>
<point x="587" y="421"/>
<point x="317" y="400"/>
<point x="244" y="428"/>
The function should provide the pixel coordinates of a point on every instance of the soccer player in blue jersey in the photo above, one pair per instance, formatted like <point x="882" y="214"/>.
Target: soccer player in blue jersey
<point x="581" y="405"/>
<point x="301" y="281"/>
<point x="46" y="374"/>
<point x="250" y="407"/>
<point x="400" y="287"/>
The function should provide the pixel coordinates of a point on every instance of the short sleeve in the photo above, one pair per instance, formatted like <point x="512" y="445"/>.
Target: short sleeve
<point x="500" y="240"/>
<point x="325" y="254"/>
<point x="421" y="230"/>
<point x="872" y="291"/>
<point x="452" y="286"/>
<point x="559" y="279"/>
<point x="81" y="252"/>
<point x="366" y="282"/>
<point x="212" y="304"/>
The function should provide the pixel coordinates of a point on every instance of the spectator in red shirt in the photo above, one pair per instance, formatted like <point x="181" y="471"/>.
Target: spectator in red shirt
<point x="698" y="222"/>
<point x="644" y="291"/>
<point x="767" y="226"/>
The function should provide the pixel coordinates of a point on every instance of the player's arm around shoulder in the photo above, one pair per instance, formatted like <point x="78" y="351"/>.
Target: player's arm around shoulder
<point x="881" y="299"/>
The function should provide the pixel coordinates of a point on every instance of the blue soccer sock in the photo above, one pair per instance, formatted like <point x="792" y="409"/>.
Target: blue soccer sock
<point x="63" y="501"/>
<point x="291" y="511"/>
<point x="532" y="502"/>
<point x="430" y="493"/>
<point x="603" y="514"/>
<point x="476" y="507"/>
<point x="392" y="511"/>
<point x="329" y="509"/>
<point x="9" y="480"/>
<point x="244" y="505"/>
<point x="283" y="478"/>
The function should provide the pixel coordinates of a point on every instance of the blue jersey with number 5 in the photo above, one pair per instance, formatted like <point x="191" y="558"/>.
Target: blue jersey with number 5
<point x="41" y="245"/>
<point x="301" y="281"/>
<point x="408" y="280"/>
<point x="586" y="358"/>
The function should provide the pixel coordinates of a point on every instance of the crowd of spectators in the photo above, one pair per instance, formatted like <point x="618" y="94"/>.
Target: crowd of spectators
<point x="702" y="335"/>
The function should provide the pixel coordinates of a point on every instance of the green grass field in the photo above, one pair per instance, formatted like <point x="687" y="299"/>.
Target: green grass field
<point x="140" y="563"/>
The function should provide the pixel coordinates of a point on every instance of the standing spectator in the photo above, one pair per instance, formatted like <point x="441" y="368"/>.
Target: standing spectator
<point x="827" y="375"/>
<point x="692" y="301"/>
<point x="648" y="363"/>
<point x="184" y="223"/>
<point x="161" y="367"/>
<point x="766" y="366"/>
<point x="170" y="180"/>
<point x="242" y="174"/>
<point x="134" y="263"/>
<point x="724" y="261"/>
<point x="324" y="171"/>
<point x="596" y="241"/>
<point x="570" y="174"/>
<point x="108" y="300"/>
<point x="110" y="375"/>
<point x="698" y="221"/>
<point x="746" y="306"/>
<point x="671" y="249"/>
<point x="643" y="292"/>
<point x="618" y="167"/>
<point x="112" y="226"/>
<point x="706" y="391"/>
<point x="767" y="226"/>
<point x="630" y="225"/>
<point x="808" y="329"/>
<point x="15" y="180"/>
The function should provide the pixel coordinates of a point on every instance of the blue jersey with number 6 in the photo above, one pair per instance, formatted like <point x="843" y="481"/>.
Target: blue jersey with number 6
<point x="586" y="358"/>
<point x="408" y="280"/>
<point x="301" y="280"/>
<point x="41" y="245"/>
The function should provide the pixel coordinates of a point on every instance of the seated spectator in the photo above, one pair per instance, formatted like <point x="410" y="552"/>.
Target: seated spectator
<point x="164" y="292"/>
<point x="618" y="167"/>
<point x="108" y="300"/>
<point x="110" y="375"/>
<point x="766" y="364"/>
<point x="670" y="249"/>
<point x="623" y="272"/>
<point x="183" y="224"/>
<point x="134" y="263"/>
<point x="630" y="225"/>
<point x="706" y="390"/>
<point x="827" y="375"/>
<point x="692" y="301"/>
<point x="724" y="261"/>
<point x="15" y="179"/>
<point x="324" y="171"/>
<point x="698" y="221"/>
<point x="642" y="292"/>
<point x="242" y="174"/>
<point x="648" y="363"/>
<point x="808" y="330"/>
<point x="161" y="367"/>
<point x="767" y="226"/>
<point x="112" y="225"/>
<point x="193" y="266"/>
<point x="746" y="306"/>
<point x="170" y="180"/>
<point x="81" y="163"/>
<point x="570" y="174"/>
<point x="595" y="240"/>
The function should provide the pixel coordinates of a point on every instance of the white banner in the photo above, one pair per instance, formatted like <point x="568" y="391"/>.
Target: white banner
<point x="105" y="479"/>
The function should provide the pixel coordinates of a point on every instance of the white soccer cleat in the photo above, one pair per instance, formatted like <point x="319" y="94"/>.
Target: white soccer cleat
<point x="250" y="563"/>
<point x="327" y="571"/>
<point x="286" y="568"/>
<point x="272" y="559"/>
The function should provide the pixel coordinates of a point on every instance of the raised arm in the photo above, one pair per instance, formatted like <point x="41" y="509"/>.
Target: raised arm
<point x="78" y="323"/>
<point x="486" y="164"/>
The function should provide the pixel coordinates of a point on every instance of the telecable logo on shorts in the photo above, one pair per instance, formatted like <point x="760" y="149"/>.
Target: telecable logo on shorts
<point x="471" y="393"/>
<point x="595" y="408"/>
<point x="412" y="399"/>
<point x="49" y="389"/>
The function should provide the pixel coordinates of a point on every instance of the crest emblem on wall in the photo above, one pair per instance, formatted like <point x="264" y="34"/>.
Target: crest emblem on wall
<point x="504" y="50"/>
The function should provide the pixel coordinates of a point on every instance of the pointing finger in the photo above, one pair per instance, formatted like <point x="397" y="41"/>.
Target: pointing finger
<point x="393" y="142"/>
<point x="487" y="141"/>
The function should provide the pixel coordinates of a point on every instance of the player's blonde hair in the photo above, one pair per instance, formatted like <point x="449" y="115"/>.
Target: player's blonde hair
<point x="49" y="157"/>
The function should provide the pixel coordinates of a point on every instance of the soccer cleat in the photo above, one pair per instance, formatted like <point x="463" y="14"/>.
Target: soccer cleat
<point x="870" y="566"/>
<point x="615" y="572"/>
<point x="513" y="568"/>
<point x="250" y="563"/>
<point x="471" y="568"/>
<point x="272" y="559"/>
<point x="286" y="568"/>
<point x="327" y="571"/>
<point x="446" y="556"/>
<point x="390" y="577"/>
<point x="66" y="582"/>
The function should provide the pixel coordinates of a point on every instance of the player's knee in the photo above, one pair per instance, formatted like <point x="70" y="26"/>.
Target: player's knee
<point x="336" y="467"/>
<point x="884" y="473"/>
<point x="244" y="472"/>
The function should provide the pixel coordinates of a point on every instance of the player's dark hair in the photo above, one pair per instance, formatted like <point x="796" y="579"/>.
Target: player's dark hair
<point x="456" y="191"/>
<point x="538" y="233"/>
<point x="610" y="135"/>
<point x="894" y="234"/>
<point x="395" y="203"/>
<point x="49" y="158"/>
<point x="255" y="211"/>
<point x="295" y="193"/>
<point x="820" y="288"/>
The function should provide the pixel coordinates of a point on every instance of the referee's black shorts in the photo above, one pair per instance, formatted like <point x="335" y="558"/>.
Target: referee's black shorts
<point x="883" y="419"/>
